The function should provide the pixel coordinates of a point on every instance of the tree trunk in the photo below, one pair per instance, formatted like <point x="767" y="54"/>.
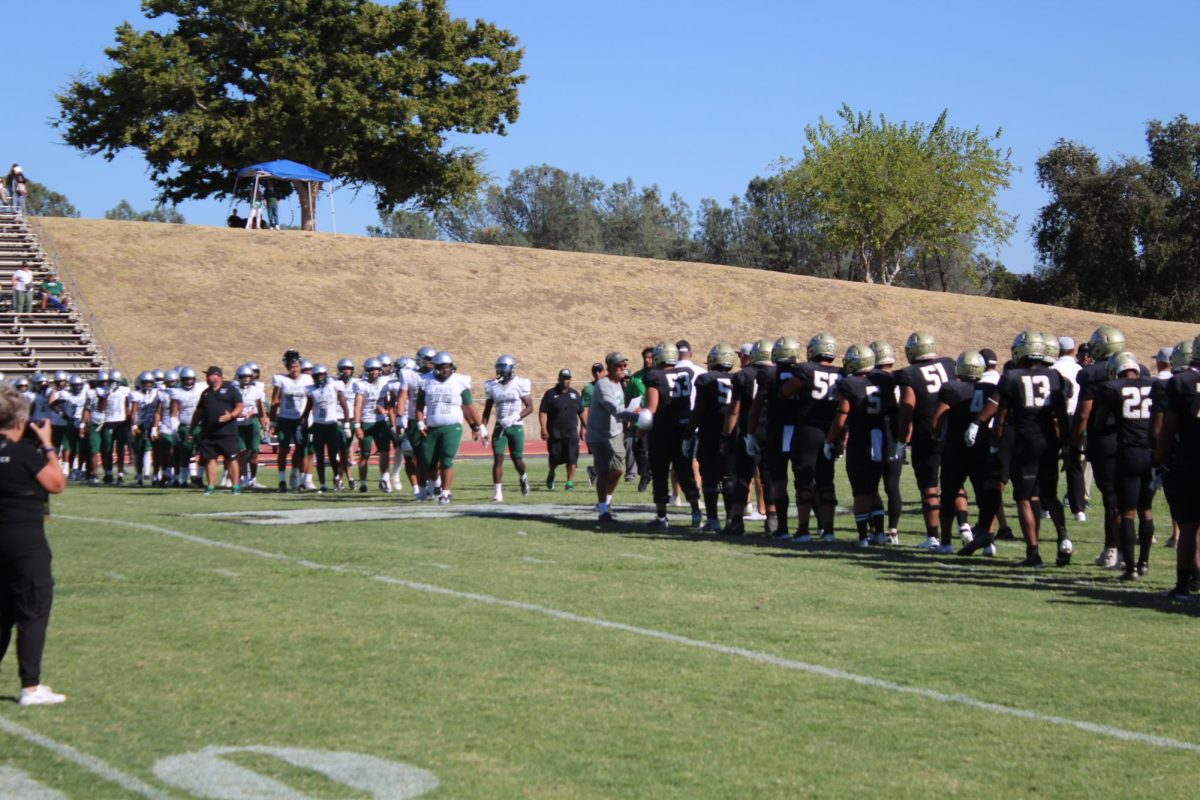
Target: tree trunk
<point x="866" y="263"/>
<point x="307" y="205"/>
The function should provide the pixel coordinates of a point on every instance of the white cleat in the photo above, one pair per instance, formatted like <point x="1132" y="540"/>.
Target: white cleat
<point x="930" y="543"/>
<point x="754" y="516"/>
<point x="1080" y="517"/>
<point x="892" y="537"/>
<point x="1107" y="558"/>
<point x="943" y="550"/>
<point x="828" y="536"/>
<point x="864" y="543"/>
<point x="990" y="550"/>
<point x="524" y="485"/>
<point x="966" y="534"/>
<point x="40" y="695"/>
<point x="677" y="501"/>
<point x="498" y="497"/>
<point x="444" y="499"/>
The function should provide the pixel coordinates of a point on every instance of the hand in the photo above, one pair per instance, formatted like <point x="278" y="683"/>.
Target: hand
<point x="971" y="433"/>
<point x="422" y="428"/>
<point x="135" y="430"/>
<point x="358" y="433"/>
<point x="42" y="429"/>
<point x="154" y="434"/>
<point x="688" y="447"/>
<point x="752" y="448"/>
<point x="1157" y="475"/>
<point x="545" y="436"/>
<point x="828" y="451"/>
<point x="898" y="451"/>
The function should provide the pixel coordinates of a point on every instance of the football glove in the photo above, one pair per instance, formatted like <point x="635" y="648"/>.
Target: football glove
<point x="898" y="450"/>
<point x="971" y="434"/>
<point x="752" y="448"/>
<point x="1157" y="474"/>
<point x="829" y="451"/>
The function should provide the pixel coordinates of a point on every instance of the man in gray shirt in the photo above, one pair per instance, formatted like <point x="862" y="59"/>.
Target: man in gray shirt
<point x="605" y="437"/>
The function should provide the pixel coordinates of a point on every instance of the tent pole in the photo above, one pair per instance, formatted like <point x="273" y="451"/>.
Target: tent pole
<point x="332" y="210"/>
<point x="253" y="197"/>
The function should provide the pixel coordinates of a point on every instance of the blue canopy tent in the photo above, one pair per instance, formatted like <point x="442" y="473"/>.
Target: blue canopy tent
<point x="286" y="170"/>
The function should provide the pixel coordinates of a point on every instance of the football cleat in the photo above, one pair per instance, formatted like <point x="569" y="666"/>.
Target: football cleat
<point x="1107" y="558"/>
<point x="1065" y="549"/>
<point x="802" y="538"/>
<point x="943" y="550"/>
<point x="498" y="497"/>
<point x="734" y="527"/>
<point x="524" y="484"/>
<point x="828" y="536"/>
<point x="444" y="498"/>
<point x="966" y="534"/>
<point x="929" y="543"/>
<point x="1033" y="560"/>
<point x="712" y="526"/>
<point x="864" y="542"/>
<point x="697" y="518"/>
<point x="659" y="524"/>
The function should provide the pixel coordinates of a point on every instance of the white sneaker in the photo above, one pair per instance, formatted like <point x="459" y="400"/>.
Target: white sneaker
<point x="677" y="501"/>
<point x="892" y="538"/>
<point x="444" y="499"/>
<point x="1045" y="514"/>
<point x="1080" y="517"/>
<point x="40" y="695"/>
<point x="943" y="550"/>
<point x="255" y="485"/>
<point x="524" y="484"/>
<point x="966" y="534"/>
<point x="385" y="485"/>
<point x="990" y="550"/>
<point x="754" y="516"/>
<point x="1107" y="558"/>
<point x="498" y="497"/>
<point x="864" y="543"/>
<point x="309" y="483"/>
<point x="828" y="536"/>
<point x="930" y="543"/>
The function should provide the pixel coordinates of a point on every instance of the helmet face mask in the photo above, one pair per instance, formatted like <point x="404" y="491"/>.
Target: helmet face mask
<point x="320" y="374"/>
<point x="171" y="378"/>
<point x="145" y="380"/>
<point x="443" y="364"/>
<point x="425" y="358"/>
<point x="506" y="367"/>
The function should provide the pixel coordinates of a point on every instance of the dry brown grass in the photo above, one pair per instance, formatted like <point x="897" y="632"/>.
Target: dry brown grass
<point x="169" y="294"/>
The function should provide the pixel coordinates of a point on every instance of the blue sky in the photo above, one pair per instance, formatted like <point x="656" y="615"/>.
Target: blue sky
<point x="699" y="97"/>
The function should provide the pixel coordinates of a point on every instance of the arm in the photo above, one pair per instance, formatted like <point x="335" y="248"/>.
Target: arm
<point x="526" y="407"/>
<point x="1166" y="437"/>
<point x="838" y="426"/>
<point x="907" y="407"/>
<point x="50" y="477"/>
<point x="1083" y="413"/>
<point x="487" y="410"/>
<point x="940" y="414"/>
<point x="345" y="406"/>
<point x="357" y="415"/>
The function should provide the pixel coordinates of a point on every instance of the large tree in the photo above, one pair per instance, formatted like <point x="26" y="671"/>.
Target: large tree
<point x="883" y="190"/>
<point x="366" y="92"/>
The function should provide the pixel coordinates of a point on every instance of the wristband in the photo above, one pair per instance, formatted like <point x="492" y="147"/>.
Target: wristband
<point x="49" y="450"/>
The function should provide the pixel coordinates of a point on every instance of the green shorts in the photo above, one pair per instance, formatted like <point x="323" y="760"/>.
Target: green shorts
<point x="379" y="433"/>
<point x="250" y="435"/>
<point x="440" y="446"/>
<point x="327" y="436"/>
<point x="512" y="438"/>
<point x="72" y="439"/>
<point x="416" y="439"/>
<point x="293" y="432"/>
<point x="95" y="438"/>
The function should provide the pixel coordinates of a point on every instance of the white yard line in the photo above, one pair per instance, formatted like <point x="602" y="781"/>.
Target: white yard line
<point x="88" y="762"/>
<point x="740" y="652"/>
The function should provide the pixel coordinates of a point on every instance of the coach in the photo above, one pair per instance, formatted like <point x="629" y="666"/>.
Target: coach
<point x="29" y="469"/>
<point x="561" y="418"/>
<point x="215" y="428"/>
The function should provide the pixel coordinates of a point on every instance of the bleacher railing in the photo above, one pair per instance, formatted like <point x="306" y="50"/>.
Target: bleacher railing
<point x="107" y="352"/>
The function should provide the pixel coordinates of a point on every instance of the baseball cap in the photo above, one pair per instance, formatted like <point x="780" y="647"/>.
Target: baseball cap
<point x="1164" y="355"/>
<point x="682" y="345"/>
<point x="1066" y="343"/>
<point x="989" y="356"/>
<point x="746" y="349"/>
<point x="615" y="359"/>
<point x="564" y="373"/>
<point x="214" y="371"/>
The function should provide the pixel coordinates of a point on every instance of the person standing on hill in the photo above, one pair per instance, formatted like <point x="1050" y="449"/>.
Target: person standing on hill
<point x="18" y="187"/>
<point x="22" y="289"/>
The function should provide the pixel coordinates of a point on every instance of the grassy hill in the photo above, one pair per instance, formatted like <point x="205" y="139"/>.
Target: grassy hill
<point x="171" y="294"/>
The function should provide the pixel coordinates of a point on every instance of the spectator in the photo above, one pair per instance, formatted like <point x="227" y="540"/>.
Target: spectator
<point x="29" y="469"/>
<point x="1162" y="363"/>
<point x="234" y="220"/>
<point x="52" y="289"/>
<point x="256" y="209"/>
<point x="22" y="289"/>
<point x="561" y="418"/>
<point x="271" y="199"/>
<point x="17" y="187"/>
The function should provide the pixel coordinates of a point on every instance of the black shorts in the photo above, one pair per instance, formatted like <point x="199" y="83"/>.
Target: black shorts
<point x="563" y="450"/>
<point x="810" y="467"/>
<point x="962" y="464"/>
<point x="865" y="475"/>
<point x="211" y="447"/>
<point x="926" y="461"/>
<point x="1026" y="465"/>
<point x="1133" y="479"/>
<point x="1102" y="455"/>
<point x="1186" y="508"/>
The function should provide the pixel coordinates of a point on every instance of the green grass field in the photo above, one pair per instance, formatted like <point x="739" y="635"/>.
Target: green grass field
<point x="531" y="655"/>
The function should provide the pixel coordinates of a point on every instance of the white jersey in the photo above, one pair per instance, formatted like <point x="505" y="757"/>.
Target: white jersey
<point x="506" y="399"/>
<point x="443" y="400"/>
<point x="326" y="407"/>
<point x="116" y="408"/>
<point x="147" y="404"/>
<point x="1069" y="368"/>
<point x="695" y="371"/>
<point x="251" y="395"/>
<point x="347" y="388"/>
<point x="292" y="394"/>
<point x="72" y="404"/>
<point x="95" y="414"/>
<point x="370" y="393"/>
<point x="187" y="399"/>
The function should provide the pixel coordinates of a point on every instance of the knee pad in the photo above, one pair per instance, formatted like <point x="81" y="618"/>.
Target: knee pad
<point x="805" y="497"/>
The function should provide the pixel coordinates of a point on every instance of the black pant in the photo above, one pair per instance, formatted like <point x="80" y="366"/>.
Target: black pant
<point x="1075" y="483"/>
<point x="26" y="594"/>
<point x="666" y="451"/>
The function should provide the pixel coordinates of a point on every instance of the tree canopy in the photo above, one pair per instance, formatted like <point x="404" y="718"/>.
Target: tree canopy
<point x="44" y="202"/>
<point x="124" y="211"/>
<point x="881" y="190"/>
<point x="366" y="92"/>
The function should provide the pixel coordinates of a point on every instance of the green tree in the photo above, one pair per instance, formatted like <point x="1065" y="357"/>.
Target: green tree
<point x="404" y="224"/>
<point x="42" y="202"/>
<point x="124" y="211"/>
<point x="366" y="92"/>
<point x="880" y="190"/>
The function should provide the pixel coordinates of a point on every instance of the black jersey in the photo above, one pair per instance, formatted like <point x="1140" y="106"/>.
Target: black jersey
<point x="780" y="410"/>
<point x="866" y="409"/>
<point x="714" y="398"/>
<point x="674" y="396"/>
<point x="744" y="387"/>
<point x="1033" y="398"/>
<point x="885" y="379"/>
<point x="965" y="399"/>
<point x="1102" y="425"/>
<point x="816" y="401"/>
<point x="1183" y="398"/>
<point x="926" y="379"/>
<point x="1129" y="402"/>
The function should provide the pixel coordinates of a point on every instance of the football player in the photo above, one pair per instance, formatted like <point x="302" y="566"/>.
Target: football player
<point x="91" y="424"/>
<point x="371" y="429"/>
<point x="324" y="398"/>
<point x="860" y="425"/>
<point x="885" y="379"/>
<point x="347" y="458"/>
<point x="71" y="403"/>
<point x="737" y="428"/>
<point x="510" y="396"/>
<point x="251" y="424"/>
<point x="919" y="384"/>
<point x="780" y="427"/>
<point x="164" y="433"/>
<point x="1127" y="398"/>
<point x="714" y="399"/>
<point x="184" y="399"/>
<point x="143" y="406"/>
<point x="669" y="401"/>
<point x="813" y="385"/>
<point x="443" y="404"/>
<point x="1181" y="357"/>
<point x="115" y="436"/>
<point x="289" y="394"/>
<point x="1181" y="433"/>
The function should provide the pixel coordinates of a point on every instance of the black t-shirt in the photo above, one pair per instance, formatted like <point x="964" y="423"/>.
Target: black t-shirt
<point x="674" y="395"/>
<point x="714" y="398"/>
<point x="1130" y="403"/>
<point x="866" y="408"/>
<point x="212" y="404"/>
<point x="1183" y="399"/>
<point x="1033" y="396"/>
<point x="965" y="399"/>
<point x="22" y="498"/>
<point x="562" y="412"/>
<point x="816" y="402"/>
<point x="925" y="378"/>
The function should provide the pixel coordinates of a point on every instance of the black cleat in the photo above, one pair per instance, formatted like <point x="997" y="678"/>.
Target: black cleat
<point x="734" y="527"/>
<point x="1180" y="595"/>
<point x="1005" y="534"/>
<point x="1033" y="560"/>
<point x="643" y="482"/>
<point x="1063" y="559"/>
<point x="607" y="518"/>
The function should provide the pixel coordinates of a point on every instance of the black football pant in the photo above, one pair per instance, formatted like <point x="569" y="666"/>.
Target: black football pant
<point x="716" y="478"/>
<point x="666" y="451"/>
<point x="26" y="594"/>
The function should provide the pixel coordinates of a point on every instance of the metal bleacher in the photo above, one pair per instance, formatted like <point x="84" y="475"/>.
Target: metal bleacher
<point x="48" y="340"/>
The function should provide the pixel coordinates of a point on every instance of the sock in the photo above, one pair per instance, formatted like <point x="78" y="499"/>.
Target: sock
<point x="608" y="499"/>
<point x="711" y="495"/>
<point x="1127" y="541"/>
<point x="781" y="520"/>
<point x="772" y="523"/>
<point x="861" y="521"/>
<point x="963" y="517"/>
<point x="877" y="518"/>
<point x="1145" y="539"/>
<point x="499" y="487"/>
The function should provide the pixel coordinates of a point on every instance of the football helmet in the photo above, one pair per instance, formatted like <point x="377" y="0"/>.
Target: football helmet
<point x="920" y="346"/>
<point x="1106" y="341"/>
<point x="75" y="382"/>
<point x="345" y="363"/>
<point x="171" y="378"/>
<point x="666" y="354"/>
<point x="103" y="377"/>
<point x="245" y="374"/>
<point x="60" y="375"/>
<point x="884" y="355"/>
<point x="38" y="380"/>
<point x="822" y="347"/>
<point x="385" y="361"/>
<point x="1028" y="344"/>
<point x="22" y="384"/>
<point x="403" y="363"/>
<point x="970" y="365"/>
<point x="1121" y="362"/>
<point x="159" y="375"/>
<point x="369" y="364"/>
<point x="506" y="367"/>
<point x="1051" y="354"/>
<point x="761" y="355"/>
<point x="1181" y="356"/>
<point x="320" y="374"/>
<point x="858" y="358"/>
<point x="425" y="358"/>
<point x="786" y="350"/>
<point x="144" y="378"/>
<point x="305" y="365"/>
<point x="116" y="377"/>
<point x="187" y="377"/>
<point x="722" y="357"/>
